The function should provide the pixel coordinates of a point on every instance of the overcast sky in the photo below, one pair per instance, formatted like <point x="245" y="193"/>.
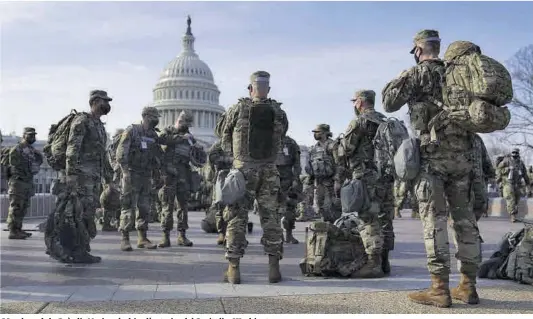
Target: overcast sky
<point x="318" y="54"/>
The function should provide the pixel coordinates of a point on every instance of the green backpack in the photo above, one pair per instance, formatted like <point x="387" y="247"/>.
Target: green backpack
<point x="520" y="261"/>
<point x="475" y="89"/>
<point x="56" y="146"/>
<point x="332" y="251"/>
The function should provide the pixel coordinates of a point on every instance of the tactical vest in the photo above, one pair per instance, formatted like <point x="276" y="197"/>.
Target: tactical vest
<point x="141" y="153"/>
<point x="258" y="131"/>
<point x="284" y="156"/>
<point x="322" y="163"/>
<point x="364" y="153"/>
<point x="182" y="149"/>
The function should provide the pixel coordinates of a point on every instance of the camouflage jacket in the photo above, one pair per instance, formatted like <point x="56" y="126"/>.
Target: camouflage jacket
<point x="177" y="149"/>
<point x="86" y="148"/>
<point x="357" y="144"/>
<point x="24" y="162"/>
<point x="233" y="128"/>
<point x="138" y="150"/>
<point x="288" y="160"/>
<point x="442" y="143"/>
<point x="512" y="171"/>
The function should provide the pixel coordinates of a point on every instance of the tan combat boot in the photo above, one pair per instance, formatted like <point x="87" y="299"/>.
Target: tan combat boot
<point x="165" y="242"/>
<point x="125" y="242"/>
<point x="466" y="290"/>
<point x="221" y="238"/>
<point x="437" y="295"/>
<point x="289" y="239"/>
<point x="233" y="273"/>
<point x="397" y="213"/>
<point x="183" y="240"/>
<point x="372" y="269"/>
<point x="143" y="242"/>
<point x="274" y="275"/>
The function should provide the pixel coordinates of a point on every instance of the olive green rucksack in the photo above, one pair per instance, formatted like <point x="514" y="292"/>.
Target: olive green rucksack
<point x="520" y="261"/>
<point x="475" y="89"/>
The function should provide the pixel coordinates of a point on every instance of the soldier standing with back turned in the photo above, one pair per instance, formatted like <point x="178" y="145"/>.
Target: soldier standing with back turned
<point x="445" y="175"/>
<point x="251" y="132"/>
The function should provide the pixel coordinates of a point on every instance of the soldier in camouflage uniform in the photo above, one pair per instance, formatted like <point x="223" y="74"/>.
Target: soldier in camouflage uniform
<point x="445" y="175"/>
<point x="357" y="162"/>
<point x="220" y="161"/>
<point x="305" y="206"/>
<point x="321" y="170"/>
<point x="24" y="163"/>
<point x="402" y="191"/>
<point x="482" y="172"/>
<point x="138" y="154"/>
<point x="86" y="165"/>
<point x="511" y="171"/>
<point x="289" y="168"/>
<point x="176" y="173"/>
<point x="251" y="132"/>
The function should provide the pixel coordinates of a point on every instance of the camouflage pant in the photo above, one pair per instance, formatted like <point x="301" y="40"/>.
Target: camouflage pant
<point x="402" y="190"/>
<point x="432" y="193"/>
<point x="481" y="197"/>
<point x="512" y="195"/>
<point x="305" y="207"/>
<point x="110" y="204"/>
<point x="176" y="187"/>
<point x="20" y="194"/>
<point x="135" y="201"/>
<point x="324" y="197"/>
<point x="262" y="183"/>
<point x="155" y="205"/>
<point x="286" y="205"/>
<point x="385" y="194"/>
<point x="370" y="230"/>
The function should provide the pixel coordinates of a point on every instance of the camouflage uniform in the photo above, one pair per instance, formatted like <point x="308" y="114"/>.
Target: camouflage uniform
<point x="305" y="206"/>
<point x="108" y="200"/>
<point x="155" y="204"/>
<point x="219" y="161"/>
<point x="289" y="168"/>
<point x="177" y="173"/>
<point x="86" y="165"/>
<point x="324" y="195"/>
<point x="403" y="190"/>
<point x="445" y="176"/>
<point x="138" y="154"/>
<point x="251" y="131"/>
<point x="511" y="171"/>
<point x="481" y="172"/>
<point x="24" y="163"/>
<point x="358" y="163"/>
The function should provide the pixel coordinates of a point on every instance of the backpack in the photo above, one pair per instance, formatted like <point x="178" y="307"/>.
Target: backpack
<point x="322" y="165"/>
<point x="475" y="89"/>
<point x="388" y="138"/>
<point x="407" y="159"/>
<point x="520" y="261"/>
<point x="332" y="251"/>
<point x="354" y="197"/>
<point x="56" y="146"/>
<point x="230" y="187"/>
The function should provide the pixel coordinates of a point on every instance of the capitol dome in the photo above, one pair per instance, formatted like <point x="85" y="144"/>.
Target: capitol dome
<point x="187" y="84"/>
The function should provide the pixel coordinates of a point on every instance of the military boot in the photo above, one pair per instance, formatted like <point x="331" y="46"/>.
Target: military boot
<point x="17" y="234"/>
<point x="233" y="273"/>
<point x="143" y="242"/>
<point x="165" y="242"/>
<point x="183" y="240"/>
<point x="385" y="263"/>
<point x="466" y="290"/>
<point x="397" y="213"/>
<point x="86" y="258"/>
<point x="372" y="268"/>
<point x="125" y="242"/>
<point x="274" y="274"/>
<point x="289" y="239"/>
<point x="221" y="238"/>
<point x="437" y="295"/>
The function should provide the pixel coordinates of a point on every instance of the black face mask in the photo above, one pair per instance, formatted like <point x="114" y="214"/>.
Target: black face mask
<point x="30" y="139"/>
<point x="152" y="123"/>
<point x="417" y="58"/>
<point x="317" y="136"/>
<point x="104" y="107"/>
<point x="515" y="155"/>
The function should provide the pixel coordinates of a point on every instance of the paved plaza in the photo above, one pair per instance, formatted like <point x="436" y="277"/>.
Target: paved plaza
<point x="189" y="279"/>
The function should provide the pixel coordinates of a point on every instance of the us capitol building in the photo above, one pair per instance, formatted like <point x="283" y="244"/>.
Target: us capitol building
<point x="187" y="84"/>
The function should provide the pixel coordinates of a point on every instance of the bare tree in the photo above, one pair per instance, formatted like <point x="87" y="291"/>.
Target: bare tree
<point x="520" y="130"/>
